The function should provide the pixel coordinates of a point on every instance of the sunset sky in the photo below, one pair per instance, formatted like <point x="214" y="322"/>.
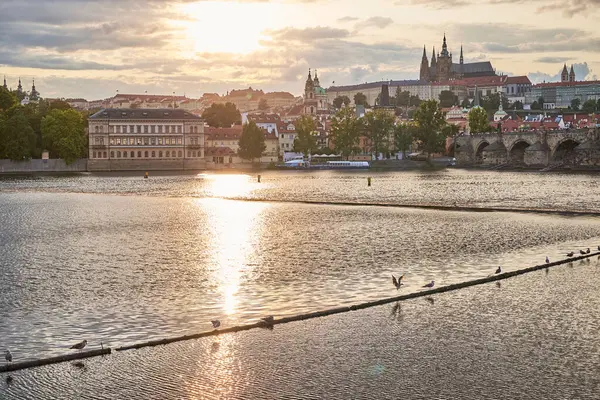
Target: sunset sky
<point x="91" y="49"/>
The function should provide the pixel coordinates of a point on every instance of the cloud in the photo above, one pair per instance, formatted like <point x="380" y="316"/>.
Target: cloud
<point x="376" y="22"/>
<point x="307" y="34"/>
<point x="552" y="60"/>
<point x="347" y="19"/>
<point x="569" y="8"/>
<point x="582" y="72"/>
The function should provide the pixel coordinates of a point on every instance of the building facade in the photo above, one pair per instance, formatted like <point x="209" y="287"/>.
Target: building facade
<point x="145" y="139"/>
<point x="560" y="94"/>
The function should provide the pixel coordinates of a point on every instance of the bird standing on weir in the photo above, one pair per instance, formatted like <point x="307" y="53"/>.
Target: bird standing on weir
<point x="8" y="355"/>
<point x="571" y="254"/>
<point x="216" y="323"/>
<point x="397" y="282"/>
<point x="498" y="270"/>
<point x="582" y="252"/>
<point x="587" y="251"/>
<point x="268" y="320"/>
<point x="547" y="260"/>
<point x="79" y="346"/>
<point x="429" y="285"/>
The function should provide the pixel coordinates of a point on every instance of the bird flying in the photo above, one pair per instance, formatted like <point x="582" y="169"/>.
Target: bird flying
<point x="80" y="345"/>
<point x="498" y="270"/>
<point x="8" y="355"/>
<point x="397" y="282"/>
<point x="216" y="323"/>
<point x="429" y="285"/>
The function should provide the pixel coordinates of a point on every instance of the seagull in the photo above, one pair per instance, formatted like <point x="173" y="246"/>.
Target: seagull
<point x="8" y="355"/>
<point x="498" y="270"/>
<point x="216" y="323"/>
<point x="268" y="320"/>
<point x="429" y="285"/>
<point x="79" y="345"/>
<point x="598" y="248"/>
<point x="570" y="254"/>
<point x="397" y="282"/>
<point x="587" y="251"/>
<point x="547" y="260"/>
<point x="582" y="252"/>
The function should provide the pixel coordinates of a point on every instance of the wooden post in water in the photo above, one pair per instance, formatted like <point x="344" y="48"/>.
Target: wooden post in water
<point x="258" y="178"/>
<point x="146" y="175"/>
<point x="369" y="181"/>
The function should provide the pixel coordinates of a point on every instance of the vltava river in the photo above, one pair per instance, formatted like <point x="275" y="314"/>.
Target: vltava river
<point x="119" y="260"/>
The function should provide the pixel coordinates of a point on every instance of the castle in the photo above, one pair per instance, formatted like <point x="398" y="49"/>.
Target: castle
<point x="443" y="69"/>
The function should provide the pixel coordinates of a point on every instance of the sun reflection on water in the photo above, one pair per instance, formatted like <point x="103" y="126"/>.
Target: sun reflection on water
<point x="235" y="229"/>
<point x="229" y="185"/>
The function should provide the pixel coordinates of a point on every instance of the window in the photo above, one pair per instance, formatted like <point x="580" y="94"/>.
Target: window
<point x="189" y="154"/>
<point x="132" y="154"/>
<point x="168" y="154"/>
<point x="105" y="154"/>
<point x="96" y="128"/>
<point x="118" y="129"/>
<point x="131" y="140"/>
<point x="146" y="154"/>
<point x="118" y="154"/>
<point x="139" y="154"/>
<point x="145" y="128"/>
<point x="160" y="129"/>
<point x="167" y="129"/>
<point x="160" y="140"/>
<point x="153" y="154"/>
<point x="153" y="141"/>
<point x="112" y="141"/>
<point x="94" y="154"/>
<point x="118" y="141"/>
<point x="101" y="140"/>
<point x="179" y="153"/>
<point x="124" y="154"/>
<point x="139" y="141"/>
<point x="139" y="129"/>
<point x="178" y="129"/>
<point x="160" y="154"/>
<point x="230" y="159"/>
<point x="112" y="154"/>
<point x="152" y="128"/>
<point x="179" y="140"/>
<point x="193" y="154"/>
<point x="131" y="128"/>
<point x="146" y="141"/>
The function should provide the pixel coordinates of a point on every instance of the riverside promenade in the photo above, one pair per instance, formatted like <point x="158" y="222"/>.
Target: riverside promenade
<point x="532" y="336"/>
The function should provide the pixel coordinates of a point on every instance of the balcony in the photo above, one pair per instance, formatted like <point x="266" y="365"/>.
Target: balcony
<point x="99" y="147"/>
<point x="194" y="146"/>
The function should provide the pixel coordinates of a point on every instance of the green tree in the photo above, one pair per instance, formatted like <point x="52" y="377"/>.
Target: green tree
<point x="430" y="119"/>
<point x="517" y="105"/>
<point x="63" y="135"/>
<point x="305" y="141"/>
<point x="16" y="136"/>
<point x="378" y="127"/>
<point x="7" y="99"/>
<point x="492" y="102"/>
<point x="263" y="104"/>
<point x="345" y="132"/>
<point x="534" y="106"/>
<point x="465" y="103"/>
<point x="478" y="121"/>
<point x="575" y="104"/>
<point x="404" y="136"/>
<point x="589" y="106"/>
<point x="414" y="101"/>
<point x="59" y="105"/>
<point x="402" y="98"/>
<point x="360" y="99"/>
<point x="541" y="102"/>
<point x="221" y="115"/>
<point x="338" y="101"/>
<point x="252" y="142"/>
<point x="448" y="98"/>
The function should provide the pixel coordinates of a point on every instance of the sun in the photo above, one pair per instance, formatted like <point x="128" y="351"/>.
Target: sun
<point x="226" y="27"/>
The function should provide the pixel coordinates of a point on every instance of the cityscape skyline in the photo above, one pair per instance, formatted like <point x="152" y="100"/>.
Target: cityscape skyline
<point x="92" y="50"/>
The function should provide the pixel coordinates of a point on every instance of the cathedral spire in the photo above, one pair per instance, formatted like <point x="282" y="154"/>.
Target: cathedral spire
<point x="433" y="62"/>
<point x="564" y="76"/>
<point x="20" y="87"/>
<point x="444" y="47"/>
<point x="461" y="55"/>
<point x="572" y="74"/>
<point x="424" y="74"/>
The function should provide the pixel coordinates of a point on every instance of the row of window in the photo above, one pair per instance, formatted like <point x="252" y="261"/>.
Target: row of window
<point x="145" y="141"/>
<point x="146" y="154"/>
<point x="144" y="129"/>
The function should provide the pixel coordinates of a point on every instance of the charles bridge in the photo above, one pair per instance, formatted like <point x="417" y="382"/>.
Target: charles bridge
<point x="543" y="149"/>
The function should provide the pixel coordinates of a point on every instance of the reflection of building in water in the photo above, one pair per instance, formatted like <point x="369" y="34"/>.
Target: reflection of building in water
<point x="145" y="139"/>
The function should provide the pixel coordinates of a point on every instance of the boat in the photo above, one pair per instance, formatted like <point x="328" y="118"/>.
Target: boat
<point x="301" y="164"/>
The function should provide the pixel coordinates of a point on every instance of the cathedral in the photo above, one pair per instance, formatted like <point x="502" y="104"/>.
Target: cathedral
<point x="315" y="97"/>
<point x="443" y="69"/>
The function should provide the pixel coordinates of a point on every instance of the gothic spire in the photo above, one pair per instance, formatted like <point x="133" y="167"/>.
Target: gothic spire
<point x="433" y="61"/>
<point x="424" y="55"/>
<point x="20" y="87"/>
<point x="461" y="55"/>
<point x="5" y="86"/>
<point x="444" y="47"/>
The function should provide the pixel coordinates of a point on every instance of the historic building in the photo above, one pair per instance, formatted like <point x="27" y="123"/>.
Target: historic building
<point x="567" y="76"/>
<point x="145" y="139"/>
<point x="315" y="97"/>
<point x="442" y="68"/>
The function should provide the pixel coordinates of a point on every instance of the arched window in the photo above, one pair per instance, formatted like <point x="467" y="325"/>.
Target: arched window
<point x="118" y="154"/>
<point x="230" y="159"/>
<point x="94" y="155"/>
<point x="160" y="154"/>
<point x="104" y="155"/>
<point x="125" y="154"/>
<point x="153" y="154"/>
<point x="146" y="154"/>
<point x="139" y="154"/>
<point x="189" y="154"/>
<point x="112" y="154"/>
<point x="132" y="154"/>
<point x="179" y="154"/>
<point x="168" y="153"/>
<point x="193" y="154"/>
<point x="97" y="128"/>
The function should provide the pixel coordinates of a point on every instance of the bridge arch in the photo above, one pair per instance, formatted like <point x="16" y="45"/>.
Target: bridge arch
<point x="479" y="151"/>
<point x="516" y="154"/>
<point x="565" y="151"/>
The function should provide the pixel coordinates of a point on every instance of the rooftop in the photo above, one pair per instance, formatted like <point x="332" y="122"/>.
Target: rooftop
<point x="144" y="113"/>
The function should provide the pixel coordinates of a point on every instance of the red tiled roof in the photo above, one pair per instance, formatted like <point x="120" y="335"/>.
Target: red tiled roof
<point x="295" y="110"/>
<point x="211" y="133"/>
<point x="524" y="80"/>
<point x="218" y="151"/>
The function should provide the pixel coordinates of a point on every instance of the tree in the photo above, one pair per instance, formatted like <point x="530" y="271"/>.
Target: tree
<point x="589" y="107"/>
<point x="478" y="121"/>
<point x="338" y="101"/>
<point x="305" y="141"/>
<point x="263" y="105"/>
<point x="63" y="134"/>
<point x="252" y="142"/>
<point x="517" y="105"/>
<point x="541" y="102"/>
<point x="16" y="136"/>
<point x="378" y="127"/>
<point x="345" y="132"/>
<point x="430" y="120"/>
<point x="221" y="115"/>
<point x="575" y="103"/>
<point x="465" y="103"/>
<point x="402" y="98"/>
<point x="492" y="102"/>
<point x="535" y="106"/>
<point x="414" y="101"/>
<point x="360" y="99"/>
<point x="59" y="105"/>
<point x="448" y="98"/>
<point x="7" y="99"/>
<point x="404" y="135"/>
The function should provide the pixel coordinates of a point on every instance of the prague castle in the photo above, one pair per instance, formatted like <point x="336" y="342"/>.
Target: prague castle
<point x="442" y="68"/>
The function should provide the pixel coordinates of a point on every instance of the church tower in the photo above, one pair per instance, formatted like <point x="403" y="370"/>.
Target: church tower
<point x="34" y="95"/>
<point x="564" y="76"/>
<point x="424" y="73"/>
<point x="310" y="102"/>
<point x="444" y="63"/>
<point x="4" y="86"/>
<point x="572" y="74"/>
<point x="433" y="68"/>
<point x="316" y="82"/>
<point x="20" y="87"/>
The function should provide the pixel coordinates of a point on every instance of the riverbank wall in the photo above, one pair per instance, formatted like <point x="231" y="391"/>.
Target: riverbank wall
<point x="40" y="166"/>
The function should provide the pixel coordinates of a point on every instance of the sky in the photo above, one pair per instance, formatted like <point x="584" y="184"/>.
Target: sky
<point x="94" y="48"/>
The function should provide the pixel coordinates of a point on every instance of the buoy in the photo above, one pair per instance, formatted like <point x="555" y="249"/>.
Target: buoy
<point x="369" y="181"/>
<point x="146" y="175"/>
<point x="259" y="179"/>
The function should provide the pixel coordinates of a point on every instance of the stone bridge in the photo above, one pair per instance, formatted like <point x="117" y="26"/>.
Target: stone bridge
<point x="534" y="149"/>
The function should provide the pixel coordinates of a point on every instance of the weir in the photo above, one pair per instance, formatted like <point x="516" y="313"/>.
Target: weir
<point x="300" y="317"/>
